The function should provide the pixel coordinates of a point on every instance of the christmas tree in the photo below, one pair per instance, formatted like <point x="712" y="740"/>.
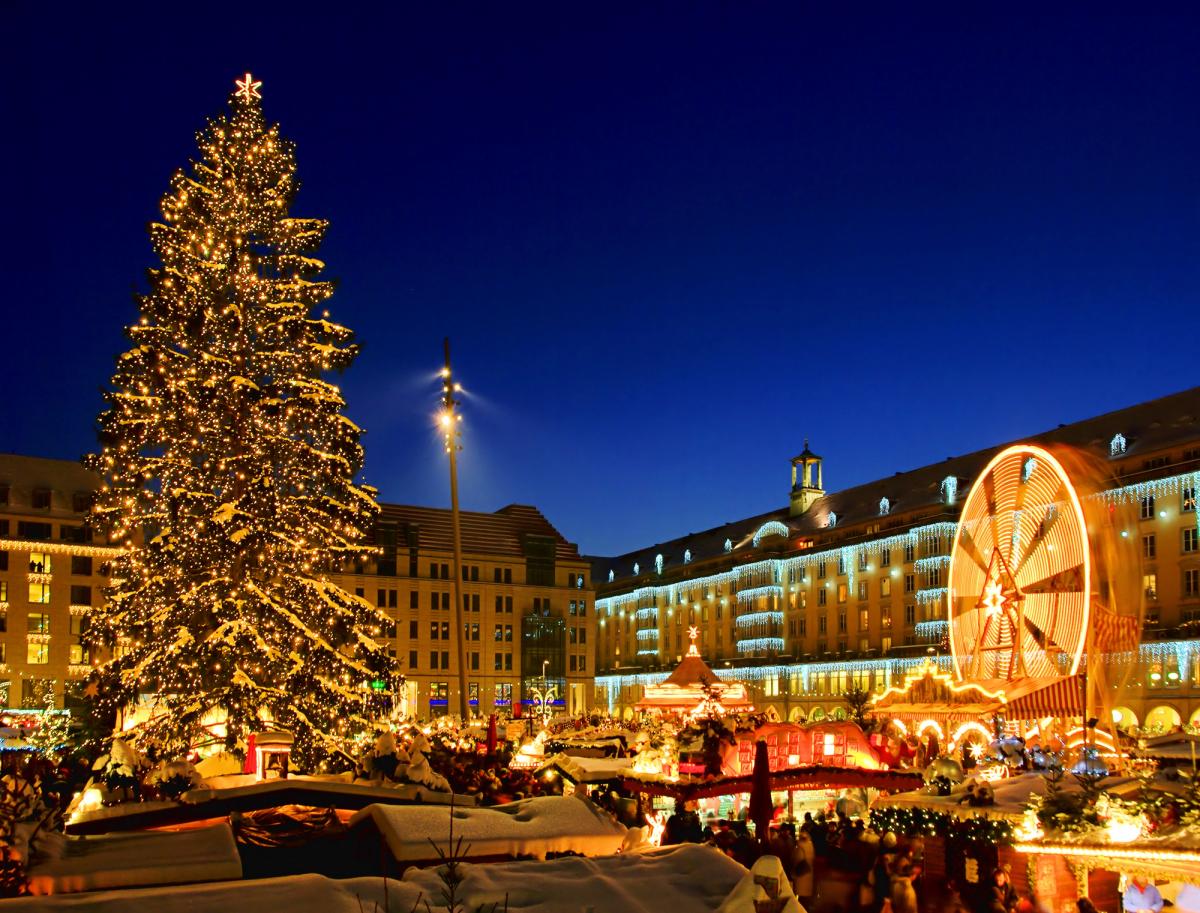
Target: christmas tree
<point x="228" y="472"/>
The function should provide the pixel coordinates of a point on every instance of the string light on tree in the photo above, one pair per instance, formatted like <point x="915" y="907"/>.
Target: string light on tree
<point x="229" y="473"/>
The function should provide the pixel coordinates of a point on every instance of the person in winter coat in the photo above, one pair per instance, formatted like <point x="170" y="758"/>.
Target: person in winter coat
<point x="903" y="895"/>
<point x="1003" y="898"/>
<point x="804" y="857"/>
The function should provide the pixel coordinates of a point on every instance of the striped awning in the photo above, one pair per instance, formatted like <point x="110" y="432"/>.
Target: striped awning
<point x="1045" y="697"/>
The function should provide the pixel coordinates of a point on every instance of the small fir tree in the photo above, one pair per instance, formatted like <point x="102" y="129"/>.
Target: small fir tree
<point x="228" y="470"/>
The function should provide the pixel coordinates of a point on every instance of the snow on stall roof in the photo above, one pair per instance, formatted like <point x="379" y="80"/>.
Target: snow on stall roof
<point x="1011" y="796"/>
<point x="681" y="879"/>
<point x="147" y="858"/>
<point x="545" y="824"/>
<point x="589" y="770"/>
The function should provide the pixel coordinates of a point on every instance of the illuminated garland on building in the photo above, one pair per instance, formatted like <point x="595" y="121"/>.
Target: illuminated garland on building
<point x="931" y="595"/>
<point x="923" y="565"/>
<point x="770" y="528"/>
<point x="932" y="628"/>
<point x="758" y="618"/>
<point x="757" y="644"/>
<point x="754" y="593"/>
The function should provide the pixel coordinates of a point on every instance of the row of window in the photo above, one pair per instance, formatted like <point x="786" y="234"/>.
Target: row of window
<point x="40" y="593"/>
<point x="1190" y="584"/>
<point x="387" y="599"/>
<point x="439" y="693"/>
<point x="1187" y="504"/>
<point x="1189" y="543"/>
<point x="41" y="498"/>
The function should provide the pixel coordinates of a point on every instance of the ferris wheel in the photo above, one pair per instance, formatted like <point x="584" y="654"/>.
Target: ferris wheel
<point x="1020" y="571"/>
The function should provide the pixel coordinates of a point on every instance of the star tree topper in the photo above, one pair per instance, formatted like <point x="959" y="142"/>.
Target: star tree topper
<point x="247" y="89"/>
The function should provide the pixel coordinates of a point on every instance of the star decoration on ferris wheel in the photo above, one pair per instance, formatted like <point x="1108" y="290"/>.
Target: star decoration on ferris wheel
<point x="247" y="89"/>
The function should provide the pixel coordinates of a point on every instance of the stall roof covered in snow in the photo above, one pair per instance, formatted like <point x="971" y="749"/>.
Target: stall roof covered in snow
<point x="150" y="858"/>
<point x="682" y="879"/>
<point x="222" y="795"/>
<point x="535" y="827"/>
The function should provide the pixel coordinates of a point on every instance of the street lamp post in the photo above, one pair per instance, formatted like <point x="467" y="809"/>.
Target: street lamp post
<point x="450" y="420"/>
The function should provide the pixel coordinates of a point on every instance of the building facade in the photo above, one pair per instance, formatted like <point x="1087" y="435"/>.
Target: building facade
<point x="528" y="603"/>
<point x="849" y="588"/>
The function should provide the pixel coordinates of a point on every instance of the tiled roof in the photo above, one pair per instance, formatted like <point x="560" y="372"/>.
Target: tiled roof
<point x="500" y="533"/>
<point x="1148" y="428"/>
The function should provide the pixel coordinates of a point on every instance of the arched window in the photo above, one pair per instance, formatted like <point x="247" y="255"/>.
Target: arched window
<point x="1117" y="445"/>
<point x="885" y="507"/>
<point x="658" y="563"/>
<point x="687" y="556"/>
<point x="612" y="575"/>
<point x="637" y="569"/>
<point x="728" y="546"/>
<point x="832" y="521"/>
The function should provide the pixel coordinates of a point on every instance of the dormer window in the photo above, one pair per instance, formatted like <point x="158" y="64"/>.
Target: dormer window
<point x="637" y="569"/>
<point x="687" y="556"/>
<point x="885" y="507"/>
<point x="728" y="546"/>
<point x="832" y="521"/>
<point x="658" y="563"/>
<point x="949" y="489"/>
<point x="1117" y="446"/>
<point x="40" y="499"/>
<point x="612" y="575"/>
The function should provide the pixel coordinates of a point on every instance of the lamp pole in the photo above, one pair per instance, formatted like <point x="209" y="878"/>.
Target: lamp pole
<point x="450" y="419"/>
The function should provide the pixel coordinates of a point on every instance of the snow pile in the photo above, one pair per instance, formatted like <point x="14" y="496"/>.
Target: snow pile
<point x="547" y="824"/>
<point x="146" y="858"/>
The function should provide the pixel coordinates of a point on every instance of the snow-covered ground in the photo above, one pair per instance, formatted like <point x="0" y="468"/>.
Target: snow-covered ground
<point x="145" y="858"/>
<point x="546" y="824"/>
<point x="682" y="879"/>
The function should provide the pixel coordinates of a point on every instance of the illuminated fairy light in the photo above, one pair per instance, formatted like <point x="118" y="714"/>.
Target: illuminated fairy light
<point x="930" y="562"/>
<point x="222" y="434"/>
<point x="932" y="628"/>
<point x="755" y="593"/>
<point x="1108" y="851"/>
<point x="647" y="634"/>
<point x="932" y="594"/>
<point x="770" y="528"/>
<point x="757" y="644"/>
<point x="758" y="618"/>
<point x="59" y="548"/>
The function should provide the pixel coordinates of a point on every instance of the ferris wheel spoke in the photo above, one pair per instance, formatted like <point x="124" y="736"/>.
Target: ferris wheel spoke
<point x="1067" y="580"/>
<point x="1041" y="539"/>
<point x="967" y="542"/>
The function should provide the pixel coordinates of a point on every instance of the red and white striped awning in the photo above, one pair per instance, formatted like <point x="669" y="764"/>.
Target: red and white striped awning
<point x="1038" y="698"/>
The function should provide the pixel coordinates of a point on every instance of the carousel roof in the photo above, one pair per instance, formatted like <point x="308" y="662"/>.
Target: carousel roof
<point x="690" y="683"/>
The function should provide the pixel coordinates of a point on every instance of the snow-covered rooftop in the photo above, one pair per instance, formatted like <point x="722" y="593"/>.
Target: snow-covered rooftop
<point x="546" y="824"/>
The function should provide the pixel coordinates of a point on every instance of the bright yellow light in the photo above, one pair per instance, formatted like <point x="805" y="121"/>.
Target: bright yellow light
<point x="446" y="419"/>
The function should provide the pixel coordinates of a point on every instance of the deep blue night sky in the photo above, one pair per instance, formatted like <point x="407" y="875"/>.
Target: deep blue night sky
<point x="668" y="243"/>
